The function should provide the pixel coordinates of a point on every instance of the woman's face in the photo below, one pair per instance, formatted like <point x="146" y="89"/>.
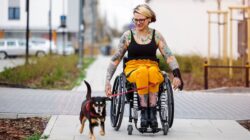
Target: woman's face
<point x="141" y="22"/>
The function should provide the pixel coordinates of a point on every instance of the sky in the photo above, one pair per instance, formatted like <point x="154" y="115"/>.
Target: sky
<point x="118" y="12"/>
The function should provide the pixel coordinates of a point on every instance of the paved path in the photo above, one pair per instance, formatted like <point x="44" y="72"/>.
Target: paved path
<point x="67" y="128"/>
<point x="10" y="62"/>
<point x="188" y="105"/>
<point x="96" y="74"/>
<point x="198" y="115"/>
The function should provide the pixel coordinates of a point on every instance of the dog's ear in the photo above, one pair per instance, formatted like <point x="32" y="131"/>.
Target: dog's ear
<point x="88" y="96"/>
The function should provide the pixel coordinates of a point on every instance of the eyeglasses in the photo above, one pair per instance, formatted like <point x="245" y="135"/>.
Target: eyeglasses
<point x="142" y="20"/>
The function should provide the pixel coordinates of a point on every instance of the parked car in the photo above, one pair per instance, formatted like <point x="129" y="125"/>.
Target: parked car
<point x="11" y="47"/>
<point x="43" y="43"/>
<point x="68" y="50"/>
<point x="17" y="47"/>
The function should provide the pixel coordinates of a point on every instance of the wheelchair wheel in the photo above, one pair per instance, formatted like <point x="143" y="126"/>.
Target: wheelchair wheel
<point x="165" y="129"/>
<point x="117" y="103"/>
<point x="171" y="104"/>
<point x="130" y="129"/>
<point x="167" y="112"/>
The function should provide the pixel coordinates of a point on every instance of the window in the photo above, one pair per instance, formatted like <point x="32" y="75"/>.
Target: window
<point x="14" y="13"/>
<point x="1" y="43"/>
<point x="11" y="43"/>
<point x="14" y="9"/>
<point x="21" y="43"/>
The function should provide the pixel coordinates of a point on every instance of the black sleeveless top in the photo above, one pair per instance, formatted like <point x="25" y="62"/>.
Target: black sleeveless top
<point x="142" y="51"/>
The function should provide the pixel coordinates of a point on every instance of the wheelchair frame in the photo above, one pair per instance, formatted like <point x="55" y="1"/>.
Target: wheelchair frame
<point x="165" y="105"/>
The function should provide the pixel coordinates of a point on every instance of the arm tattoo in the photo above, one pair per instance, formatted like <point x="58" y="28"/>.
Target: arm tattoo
<point x="115" y="60"/>
<point x="110" y="72"/>
<point x="121" y="49"/>
<point x="166" y="52"/>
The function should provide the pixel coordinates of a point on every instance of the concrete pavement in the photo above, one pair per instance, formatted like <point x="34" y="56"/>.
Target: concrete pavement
<point x="66" y="127"/>
<point x="188" y="105"/>
<point x="9" y="63"/>
<point x="198" y="115"/>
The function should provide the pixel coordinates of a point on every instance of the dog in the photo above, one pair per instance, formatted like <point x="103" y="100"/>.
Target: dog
<point x="93" y="109"/>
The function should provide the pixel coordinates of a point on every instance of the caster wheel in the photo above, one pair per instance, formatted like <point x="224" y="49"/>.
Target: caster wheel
<point x="130" y="129"/>
<point x="165" y="129"/>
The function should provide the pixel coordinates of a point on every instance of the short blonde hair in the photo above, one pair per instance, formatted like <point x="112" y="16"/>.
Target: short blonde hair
<point x="145" y="10"/>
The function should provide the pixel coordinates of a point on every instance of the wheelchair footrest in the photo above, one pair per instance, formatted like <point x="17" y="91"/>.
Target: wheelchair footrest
<point x="149" y="130"/>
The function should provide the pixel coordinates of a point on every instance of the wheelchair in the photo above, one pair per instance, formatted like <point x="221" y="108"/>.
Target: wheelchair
<point x="165" y="104"/>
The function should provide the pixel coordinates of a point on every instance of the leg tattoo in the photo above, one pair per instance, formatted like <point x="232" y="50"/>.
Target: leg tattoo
<point x="153" y="99"/>
<point x="144" y="100"/>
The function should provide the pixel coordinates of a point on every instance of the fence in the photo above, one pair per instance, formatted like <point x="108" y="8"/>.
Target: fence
<point x="206" y="67"/>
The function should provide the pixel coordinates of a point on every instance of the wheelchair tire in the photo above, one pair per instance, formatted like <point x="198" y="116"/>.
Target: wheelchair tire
<point x="117" y="103"/>
<point x="113" y="112"/>
<point x="170" y="105"/>
<point x="165" y="129"/>
<point x="130" y="129"/>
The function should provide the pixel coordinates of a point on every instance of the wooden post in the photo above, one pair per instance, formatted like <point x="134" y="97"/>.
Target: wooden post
<point x="206" y="75"/>
<point x="225" y="38"/>
<point x="231" y="44"/>
<point x="247" y="74"/>
<point x="209" y="37"/>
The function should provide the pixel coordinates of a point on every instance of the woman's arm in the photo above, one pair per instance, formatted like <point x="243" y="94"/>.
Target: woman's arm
<point x="165" y="51"/>
<point x="170" y="59"/>
<point x="116" y="59"/>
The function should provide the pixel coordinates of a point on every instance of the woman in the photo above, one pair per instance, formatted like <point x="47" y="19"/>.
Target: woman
<point x="142" y="67"/>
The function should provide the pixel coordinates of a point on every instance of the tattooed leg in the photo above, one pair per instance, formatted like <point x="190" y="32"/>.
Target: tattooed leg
<point x="144" y="100"/>
<point x="153" y="99"/>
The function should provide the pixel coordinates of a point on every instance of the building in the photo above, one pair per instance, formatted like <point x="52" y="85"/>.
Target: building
<point x="13" y="19"/>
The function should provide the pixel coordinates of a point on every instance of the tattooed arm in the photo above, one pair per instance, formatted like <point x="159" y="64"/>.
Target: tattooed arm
<point x="170" y="59"/>
<point x="115" y="60"/>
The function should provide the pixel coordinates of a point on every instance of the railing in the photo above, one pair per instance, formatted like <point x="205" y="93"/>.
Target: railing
<point x="206" y="67"/>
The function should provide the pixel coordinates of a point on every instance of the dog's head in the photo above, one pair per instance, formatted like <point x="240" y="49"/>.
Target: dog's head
<point x="98" y="104"/>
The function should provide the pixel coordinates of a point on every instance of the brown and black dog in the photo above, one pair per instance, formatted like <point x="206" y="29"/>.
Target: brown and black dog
<point x="93" y="109"/>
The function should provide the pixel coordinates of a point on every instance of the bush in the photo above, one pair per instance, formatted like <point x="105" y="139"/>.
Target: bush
<point x="50" y="72"/>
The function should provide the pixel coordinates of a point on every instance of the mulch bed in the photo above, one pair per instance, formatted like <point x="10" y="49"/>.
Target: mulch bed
<point x="21" y="128"/>
<point x="245" y="123"/>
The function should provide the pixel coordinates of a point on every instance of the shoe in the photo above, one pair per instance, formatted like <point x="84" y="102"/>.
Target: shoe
<point x="152" y="118"/>
<point x="144" y="117"/>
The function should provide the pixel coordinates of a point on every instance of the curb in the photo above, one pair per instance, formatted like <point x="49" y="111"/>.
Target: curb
<point x="49" y="127"/>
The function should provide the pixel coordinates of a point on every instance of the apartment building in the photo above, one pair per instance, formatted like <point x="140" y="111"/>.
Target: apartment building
<point x="13" y="19"/>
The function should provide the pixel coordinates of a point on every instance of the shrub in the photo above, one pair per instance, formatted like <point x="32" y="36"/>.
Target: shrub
<point x="47" y="72"/>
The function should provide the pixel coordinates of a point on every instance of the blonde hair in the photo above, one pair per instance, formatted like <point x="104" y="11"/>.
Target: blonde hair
<point x="146" y="11"/>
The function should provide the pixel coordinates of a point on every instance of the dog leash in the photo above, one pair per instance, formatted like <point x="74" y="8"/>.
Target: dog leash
<point x="132" y="90"/>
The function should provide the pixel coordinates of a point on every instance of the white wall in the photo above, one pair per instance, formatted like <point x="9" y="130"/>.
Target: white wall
<point x="183" y="23"/>
<point x="38" y="14"/>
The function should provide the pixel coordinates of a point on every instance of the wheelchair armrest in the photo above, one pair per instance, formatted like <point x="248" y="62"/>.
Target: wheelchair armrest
<point x="125" y="60"/>
<point x="164" y="73"/>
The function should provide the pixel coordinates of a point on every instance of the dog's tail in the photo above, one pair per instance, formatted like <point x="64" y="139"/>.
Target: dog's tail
<point x="88" y="96"/>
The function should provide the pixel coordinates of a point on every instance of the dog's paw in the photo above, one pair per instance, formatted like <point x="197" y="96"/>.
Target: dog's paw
<point x="93" y="137"/>
<point x="102" y="133"/>
<point x="81" y="130"/>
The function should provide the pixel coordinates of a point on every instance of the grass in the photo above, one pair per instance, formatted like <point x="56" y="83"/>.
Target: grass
<point x="36" y="136"/>
<point x="192" y="69"/>
<point x="50" y="72"/>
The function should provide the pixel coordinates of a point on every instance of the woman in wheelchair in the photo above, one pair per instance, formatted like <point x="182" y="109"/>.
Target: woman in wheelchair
<point x="142" y="68"/>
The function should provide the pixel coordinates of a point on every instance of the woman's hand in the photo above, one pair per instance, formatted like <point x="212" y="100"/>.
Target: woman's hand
<point x="176" y="83"/>
<point x="108" y="89"/>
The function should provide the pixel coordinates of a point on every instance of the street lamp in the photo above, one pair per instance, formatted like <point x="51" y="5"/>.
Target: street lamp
<point x="50" y="28"/>
<point x="27" y="33"/>
<point x="80" y="33"/>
